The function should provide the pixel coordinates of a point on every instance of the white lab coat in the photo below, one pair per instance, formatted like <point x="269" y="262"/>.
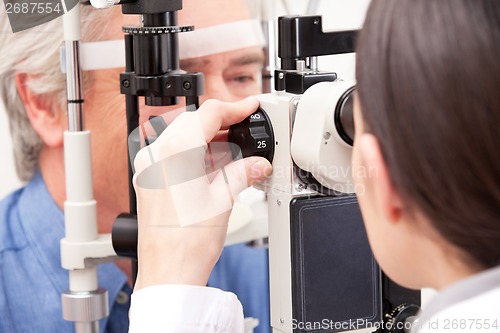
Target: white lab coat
<point x="185" y="309"/>
<point x="470" y="305"/>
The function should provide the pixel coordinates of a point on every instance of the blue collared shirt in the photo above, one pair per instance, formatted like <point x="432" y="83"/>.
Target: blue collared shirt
<point x="31" y="276"/>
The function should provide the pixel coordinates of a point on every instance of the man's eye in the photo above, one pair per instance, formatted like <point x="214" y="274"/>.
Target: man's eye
<point x="243" y="79"/>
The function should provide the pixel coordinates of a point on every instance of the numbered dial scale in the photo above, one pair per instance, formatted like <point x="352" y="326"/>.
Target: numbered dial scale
<point x="253" y="136"/>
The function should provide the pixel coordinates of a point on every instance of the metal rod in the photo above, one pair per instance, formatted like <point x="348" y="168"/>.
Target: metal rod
<point x="313" y="64"/>
<point x="132" y="114"/>
<point x="193" y="100"/>
<point x="270" y="56"/>
<point x="74" y="86"/>
<point x="83" y="327"/>
<point x="80" y="213"/>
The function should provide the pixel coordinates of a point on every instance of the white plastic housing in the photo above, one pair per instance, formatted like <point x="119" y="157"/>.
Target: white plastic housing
<point x="316" y="145"/>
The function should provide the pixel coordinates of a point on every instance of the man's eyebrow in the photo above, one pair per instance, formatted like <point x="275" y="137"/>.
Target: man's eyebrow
<point x="248" y="59"/>
<point x="188" y="64"/>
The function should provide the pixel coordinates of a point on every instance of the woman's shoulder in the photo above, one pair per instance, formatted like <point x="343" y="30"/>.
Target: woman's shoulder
<point x="480" y="313"/>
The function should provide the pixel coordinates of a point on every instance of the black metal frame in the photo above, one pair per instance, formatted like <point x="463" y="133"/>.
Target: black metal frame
<point x="302" y="37"/>
<point x="152" y="71"/>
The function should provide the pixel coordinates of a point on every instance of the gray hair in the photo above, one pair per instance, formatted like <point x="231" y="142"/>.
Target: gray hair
<point x="36" y="52"/>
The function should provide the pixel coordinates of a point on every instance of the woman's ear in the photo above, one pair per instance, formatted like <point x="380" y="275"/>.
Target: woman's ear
<point x="46" y="120"/>
<point x="385" y="197"/>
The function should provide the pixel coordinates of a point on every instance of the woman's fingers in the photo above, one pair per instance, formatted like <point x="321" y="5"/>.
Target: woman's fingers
<point x="241" y="174"/>
<point x="215" y="115"/>
<point x="222" y="136"/>
<point x="194" y="129"/>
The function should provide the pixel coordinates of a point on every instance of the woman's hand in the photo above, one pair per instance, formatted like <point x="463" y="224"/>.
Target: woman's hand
<point x="185" y="195"/>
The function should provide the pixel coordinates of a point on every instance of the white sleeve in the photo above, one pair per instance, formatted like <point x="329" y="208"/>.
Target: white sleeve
<point x="185" y="309"/>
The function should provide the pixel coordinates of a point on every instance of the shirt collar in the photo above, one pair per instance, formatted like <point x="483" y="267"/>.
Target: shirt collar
<point x="43" y="223"/>
<point x="461" y="291"/>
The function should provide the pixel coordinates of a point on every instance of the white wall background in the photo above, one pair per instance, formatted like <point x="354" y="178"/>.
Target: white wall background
<point x="8" y="176"/>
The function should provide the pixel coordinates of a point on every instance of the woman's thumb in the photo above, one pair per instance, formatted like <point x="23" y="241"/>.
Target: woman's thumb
<point x="241" y="174"/>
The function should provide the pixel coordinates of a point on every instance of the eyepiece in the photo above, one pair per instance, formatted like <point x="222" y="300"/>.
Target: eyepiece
<point x="344" y="117"/>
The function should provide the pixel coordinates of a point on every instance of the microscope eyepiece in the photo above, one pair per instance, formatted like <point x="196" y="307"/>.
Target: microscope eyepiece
<point x="344" y="116"/>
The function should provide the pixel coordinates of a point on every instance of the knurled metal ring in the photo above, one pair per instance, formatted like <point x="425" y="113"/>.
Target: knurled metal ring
<point x="136" y="30"/>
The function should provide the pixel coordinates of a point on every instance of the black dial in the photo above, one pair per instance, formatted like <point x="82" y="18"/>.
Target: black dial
<point x="253" y="136"/>
<point x="401" y="319"/>
<point x="137" y="30"/>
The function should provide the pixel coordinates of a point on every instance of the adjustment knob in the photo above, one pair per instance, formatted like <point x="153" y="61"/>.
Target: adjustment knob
<point x="253" y="136"/>
<point x="102" y="4"/>
<point x="402" y="318"/>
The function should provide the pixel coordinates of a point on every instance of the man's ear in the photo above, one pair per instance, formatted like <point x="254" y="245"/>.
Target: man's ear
<point x="387" y="199"/>
<point x="45" y="119"/>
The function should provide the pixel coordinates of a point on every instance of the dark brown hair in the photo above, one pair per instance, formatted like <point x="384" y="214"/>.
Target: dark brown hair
<point x="428" y="75"/>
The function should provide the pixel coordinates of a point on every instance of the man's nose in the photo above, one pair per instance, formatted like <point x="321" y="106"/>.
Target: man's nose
<point x="216" y="87"/>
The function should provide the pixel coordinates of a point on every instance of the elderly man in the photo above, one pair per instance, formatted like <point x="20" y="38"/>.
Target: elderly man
<point x="31" y="219"/>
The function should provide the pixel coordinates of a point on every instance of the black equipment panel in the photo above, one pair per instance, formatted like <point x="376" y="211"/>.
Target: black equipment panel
<point x="335" y="278"/>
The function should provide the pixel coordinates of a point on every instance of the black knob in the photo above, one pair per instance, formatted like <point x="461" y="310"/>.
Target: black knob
<point x="253" y="136"/>
<point x="124" y="235"/>
<point x="401" y="318"/>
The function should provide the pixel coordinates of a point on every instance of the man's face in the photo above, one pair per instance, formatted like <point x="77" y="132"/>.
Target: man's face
<point x="229" y="76"/>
